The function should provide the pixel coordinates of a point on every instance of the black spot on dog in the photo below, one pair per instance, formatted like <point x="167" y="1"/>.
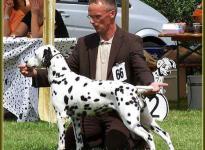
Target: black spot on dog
<point x="83" y="98"/>
<point x="128" y="114"/>
<point x="71" y="97"/>
<point x="55" y="82"/>
<point x="133" y="98"/>
<point x="131" y="102"/>
<point x="128" y="122"/>
<point x="70" y="89"/>
<point x="54" y="72"/>
<point x="86" y="105"/>
<point x="100" y="83"/>
<point x="85" y="84"/>
<point x="66" y="99"/>
<point x="117" y="99"/>
<point x="96" y="100"/>
<point x="65" y="81"/>
<point x="54" y="92"/>
<point x="102" y="95"/>
<point x="149" y="138"/>
<point x="127" y="103"/>
<point x="64" y="68"/>
<point x="116" y="90"/>
<point x="58" y="75"/>
<point x="77" y="78"/>
<point x="139" y="125"/>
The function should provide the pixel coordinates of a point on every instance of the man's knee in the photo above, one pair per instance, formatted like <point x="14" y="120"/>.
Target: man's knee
<point x="115" y="140"/>
<point x="70" y="139"/>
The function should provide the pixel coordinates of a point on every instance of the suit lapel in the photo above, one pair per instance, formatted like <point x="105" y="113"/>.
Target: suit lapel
<point x="93" y="51"/>
<point x="115" y="48"/>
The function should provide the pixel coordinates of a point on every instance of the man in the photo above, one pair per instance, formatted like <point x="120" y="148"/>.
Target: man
<point x="109" y="53"/>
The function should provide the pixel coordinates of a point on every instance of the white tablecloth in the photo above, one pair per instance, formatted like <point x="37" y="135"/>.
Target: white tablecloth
<point x="19" y="97"/>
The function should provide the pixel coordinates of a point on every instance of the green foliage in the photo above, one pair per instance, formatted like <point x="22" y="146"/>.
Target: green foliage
<point x="174" y="10"/>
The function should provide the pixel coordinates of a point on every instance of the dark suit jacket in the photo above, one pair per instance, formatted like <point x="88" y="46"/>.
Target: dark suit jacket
<point x="125" y="47"/>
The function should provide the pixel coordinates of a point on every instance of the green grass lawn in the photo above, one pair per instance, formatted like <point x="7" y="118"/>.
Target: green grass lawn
<point x="184" y="126"/>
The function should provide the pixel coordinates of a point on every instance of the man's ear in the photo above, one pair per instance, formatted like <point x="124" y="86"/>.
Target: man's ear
<point x="113" y="14"/>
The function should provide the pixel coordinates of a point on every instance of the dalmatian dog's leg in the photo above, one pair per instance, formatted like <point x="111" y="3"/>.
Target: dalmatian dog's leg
<point x="131" y="118"/>
<point x="138" y="129"/>
<point x="148" y="121"/>
<point x="77" y="133"/>
<point x="164" y="135"/>
<point x="61" y="121"/>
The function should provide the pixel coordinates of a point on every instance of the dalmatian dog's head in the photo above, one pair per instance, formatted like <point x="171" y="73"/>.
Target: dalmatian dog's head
<point x="43" y="56"/>
<point x="165" y="65"/>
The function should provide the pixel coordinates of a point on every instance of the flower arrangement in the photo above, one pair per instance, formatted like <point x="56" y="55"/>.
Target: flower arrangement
<point x="197" y="14"/>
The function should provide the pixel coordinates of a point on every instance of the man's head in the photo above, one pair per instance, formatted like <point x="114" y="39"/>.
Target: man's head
<point x="102" y="15"/>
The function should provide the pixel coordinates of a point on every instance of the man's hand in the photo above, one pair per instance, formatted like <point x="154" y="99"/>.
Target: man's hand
<point x="9" y="4"/>
<point x="27" y="71"/>
<point x="35" y="7"/>
<point x="156" y="87"/>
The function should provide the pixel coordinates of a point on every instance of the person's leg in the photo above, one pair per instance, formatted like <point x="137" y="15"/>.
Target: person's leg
<point x="70" y="139"/>
<point x="91" y="132"/>
<point x="118" y="137"/>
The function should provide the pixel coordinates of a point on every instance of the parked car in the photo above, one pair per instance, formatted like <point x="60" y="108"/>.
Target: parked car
<point x="143" y="20"/>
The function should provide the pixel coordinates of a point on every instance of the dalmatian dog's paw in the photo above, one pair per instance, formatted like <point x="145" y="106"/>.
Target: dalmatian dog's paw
<point x="61" y="147"/>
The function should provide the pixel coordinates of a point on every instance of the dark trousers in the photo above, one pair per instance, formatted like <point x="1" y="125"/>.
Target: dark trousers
<point x="106" y="131"/>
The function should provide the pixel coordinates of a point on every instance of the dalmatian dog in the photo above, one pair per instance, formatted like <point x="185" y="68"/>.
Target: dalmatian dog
<point x="75" y="96"/>
<point x="164" y="67"/>
<point x="158" y="104"/>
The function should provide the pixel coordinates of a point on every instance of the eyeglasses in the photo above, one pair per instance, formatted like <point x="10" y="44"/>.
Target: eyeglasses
<point x="97" y="18"/>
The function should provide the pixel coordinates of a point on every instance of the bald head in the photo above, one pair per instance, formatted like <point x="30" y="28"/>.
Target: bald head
<point x="110" y="4"/>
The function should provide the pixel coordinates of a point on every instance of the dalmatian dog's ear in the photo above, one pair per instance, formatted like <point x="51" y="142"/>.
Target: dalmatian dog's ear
<point x="47" y="56"/>
<point x="173" y="64"/>
<point x="159" y="63"/>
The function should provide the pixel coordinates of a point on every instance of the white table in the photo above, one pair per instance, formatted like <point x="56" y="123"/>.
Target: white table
<point x="19" y="97"/>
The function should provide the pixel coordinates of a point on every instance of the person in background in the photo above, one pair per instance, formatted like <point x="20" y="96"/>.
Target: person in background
<point x="32" y="24"/>
<point x="94" y="57"/>
<point x="14" y="11"/>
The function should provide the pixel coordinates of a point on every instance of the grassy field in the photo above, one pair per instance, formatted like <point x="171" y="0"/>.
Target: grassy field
<point x="184" y="126"/>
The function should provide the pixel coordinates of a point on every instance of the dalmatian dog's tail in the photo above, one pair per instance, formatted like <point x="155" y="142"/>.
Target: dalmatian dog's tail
<point x="143" y="89"/>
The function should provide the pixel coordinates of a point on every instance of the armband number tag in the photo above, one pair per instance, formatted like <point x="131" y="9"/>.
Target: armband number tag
<point x="119" y="72"/>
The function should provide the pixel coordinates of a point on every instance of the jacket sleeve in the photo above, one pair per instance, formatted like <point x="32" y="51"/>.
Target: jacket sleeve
<point x="41" y="80"/>
<point x="142" y="73"/>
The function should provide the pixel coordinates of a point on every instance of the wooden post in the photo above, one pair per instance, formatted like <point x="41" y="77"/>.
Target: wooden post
<point x="45" y="108"/>
<point x="125" y="15"/>
<point x="1" y="76"/>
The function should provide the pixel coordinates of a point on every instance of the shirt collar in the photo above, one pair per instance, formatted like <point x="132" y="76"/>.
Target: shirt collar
<point x="106" y="42"/>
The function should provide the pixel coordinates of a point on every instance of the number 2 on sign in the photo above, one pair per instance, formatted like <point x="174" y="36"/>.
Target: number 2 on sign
<point x="154" y="108"/>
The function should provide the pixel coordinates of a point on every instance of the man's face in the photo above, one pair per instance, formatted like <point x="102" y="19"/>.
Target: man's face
<point x="100" y="17"/>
